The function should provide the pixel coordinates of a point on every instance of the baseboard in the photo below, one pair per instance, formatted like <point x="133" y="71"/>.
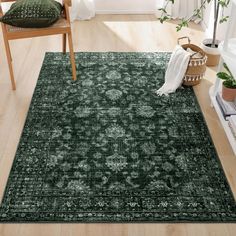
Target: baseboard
<point x="121" y="12"/>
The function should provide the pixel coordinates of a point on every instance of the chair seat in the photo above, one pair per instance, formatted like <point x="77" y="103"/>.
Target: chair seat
<point x="61" y="23"/>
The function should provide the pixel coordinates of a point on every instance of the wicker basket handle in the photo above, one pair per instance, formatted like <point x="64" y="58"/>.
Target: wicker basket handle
<point x="202" y="56"/>
<point x="189" y="41"/>
<point x="185" y="37"/>
<point x="195" y="54"/>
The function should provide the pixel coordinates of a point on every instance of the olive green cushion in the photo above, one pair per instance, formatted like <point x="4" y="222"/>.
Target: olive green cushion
<point x="33" y="13"/>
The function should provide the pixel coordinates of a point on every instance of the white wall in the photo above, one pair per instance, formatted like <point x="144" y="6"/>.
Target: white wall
<point x="207" y="23"/>
<point x="125" y="6"/>
<point x="120" y="6"/>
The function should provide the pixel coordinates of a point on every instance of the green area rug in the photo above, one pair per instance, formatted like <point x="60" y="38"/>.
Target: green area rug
<point x="107" y="149"/>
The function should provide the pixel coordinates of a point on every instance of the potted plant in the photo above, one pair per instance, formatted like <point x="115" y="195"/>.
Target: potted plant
<point x="229" y="84"/>
<point x="210" y="46"/>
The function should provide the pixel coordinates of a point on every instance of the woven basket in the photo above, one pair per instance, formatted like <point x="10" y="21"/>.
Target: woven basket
<point x="196" y="67"/>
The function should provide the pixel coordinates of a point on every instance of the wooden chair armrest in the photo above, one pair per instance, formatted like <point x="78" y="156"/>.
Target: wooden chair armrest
<point x="1" y="12"/>
<point x="67" y="2"/>
<point x="66" y="5"/>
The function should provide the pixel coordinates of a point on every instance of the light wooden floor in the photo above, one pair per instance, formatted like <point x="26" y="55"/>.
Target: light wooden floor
<point x="104" y="33"/>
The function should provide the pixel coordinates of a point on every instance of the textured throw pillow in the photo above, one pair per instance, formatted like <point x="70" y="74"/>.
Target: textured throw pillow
<point x="32" y="13"/>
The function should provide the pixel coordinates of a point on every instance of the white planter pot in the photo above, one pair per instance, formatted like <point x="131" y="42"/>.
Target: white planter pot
<point x="213" y="54"/>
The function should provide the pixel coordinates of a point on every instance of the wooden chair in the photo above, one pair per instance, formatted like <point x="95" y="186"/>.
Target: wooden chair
<point x="62" y="26"/>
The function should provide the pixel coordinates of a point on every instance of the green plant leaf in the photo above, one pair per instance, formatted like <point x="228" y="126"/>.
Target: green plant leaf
<point x="229" y="84"/>
<point x="164" y="18"/>
<point x="227" y="69"/>
<point x="197" y="13"/>
<point x="224" y="19"/>
<point x="163" y="10"/>
<point x="223" y="76"/>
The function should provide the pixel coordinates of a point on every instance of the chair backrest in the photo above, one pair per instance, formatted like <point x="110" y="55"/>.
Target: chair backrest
<point x="3" y="1"/>
<point x="68" y="2"/>
<point x="7" y="1"/>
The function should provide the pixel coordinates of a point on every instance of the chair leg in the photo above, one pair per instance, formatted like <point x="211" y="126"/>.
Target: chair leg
<point x="64" y="43"/>
<point x="8" y="49"/>
<point x="72" y="56"/>
<point x="9" y="60"/>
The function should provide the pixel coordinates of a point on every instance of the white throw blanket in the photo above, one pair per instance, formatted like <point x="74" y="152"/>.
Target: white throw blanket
<point x="177" y="67"/>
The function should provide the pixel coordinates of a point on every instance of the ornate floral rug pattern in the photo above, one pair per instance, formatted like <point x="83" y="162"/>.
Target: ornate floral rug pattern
<point x="107" y="149"/>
